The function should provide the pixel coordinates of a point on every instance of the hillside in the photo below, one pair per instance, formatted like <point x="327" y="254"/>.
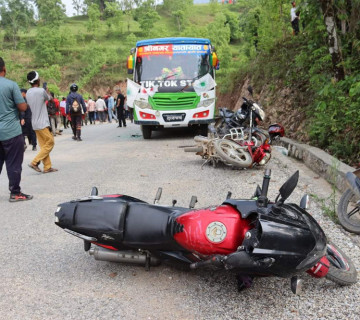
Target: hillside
<point x="315" y="94"/>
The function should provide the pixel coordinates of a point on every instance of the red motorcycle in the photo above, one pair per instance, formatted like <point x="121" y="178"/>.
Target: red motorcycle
<point x="252" y="237"/>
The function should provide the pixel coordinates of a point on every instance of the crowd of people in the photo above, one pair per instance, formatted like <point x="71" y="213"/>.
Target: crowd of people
<point x="36" y="114"/>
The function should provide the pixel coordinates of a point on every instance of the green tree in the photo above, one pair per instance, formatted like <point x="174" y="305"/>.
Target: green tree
<point x="146" y="15"/>
<point x="51" y="12"/>
<point x="114" y="17"/>
<point x="47" y="46"/>
<point x="94" y="15"/>
<point x="78" y="6"/>
<point x="15" y="15"/>
<point x="101" y="4"/>
<point x="179" y="9"/>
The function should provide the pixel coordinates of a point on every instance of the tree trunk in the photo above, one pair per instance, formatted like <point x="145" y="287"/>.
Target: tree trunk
<point x="333" y="40"/>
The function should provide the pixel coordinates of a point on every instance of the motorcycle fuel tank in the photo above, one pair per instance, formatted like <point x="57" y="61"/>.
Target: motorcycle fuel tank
<point x="218" y="230"/>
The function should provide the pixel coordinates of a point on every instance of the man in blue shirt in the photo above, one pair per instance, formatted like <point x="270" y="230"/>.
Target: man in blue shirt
<point x="11" y="139"/>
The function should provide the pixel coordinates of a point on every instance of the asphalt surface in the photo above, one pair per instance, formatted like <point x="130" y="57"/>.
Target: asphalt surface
<point x="45" y="274"/>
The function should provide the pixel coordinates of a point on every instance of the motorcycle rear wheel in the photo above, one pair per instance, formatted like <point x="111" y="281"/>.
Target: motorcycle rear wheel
<point x="349" y="212"/>
<point x="232" y="153"/>
<point x="342" y="271"/>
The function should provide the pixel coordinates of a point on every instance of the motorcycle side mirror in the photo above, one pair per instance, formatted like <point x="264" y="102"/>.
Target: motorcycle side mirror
<point x="289" y="186"/>
<point x="250" y="89"/>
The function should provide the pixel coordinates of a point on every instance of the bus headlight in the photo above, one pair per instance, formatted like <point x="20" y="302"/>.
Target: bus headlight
<point x="142" y="104"/>
<point x="206" y="103"/>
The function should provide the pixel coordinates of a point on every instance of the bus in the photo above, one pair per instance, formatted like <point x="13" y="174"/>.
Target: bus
<point x="181" y="74"/>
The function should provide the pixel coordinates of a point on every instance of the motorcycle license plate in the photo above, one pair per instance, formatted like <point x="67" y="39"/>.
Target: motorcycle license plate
<point x="172" y="117"/>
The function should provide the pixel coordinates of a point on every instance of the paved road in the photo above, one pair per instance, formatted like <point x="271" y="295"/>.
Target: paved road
<point x="45" y="274"/>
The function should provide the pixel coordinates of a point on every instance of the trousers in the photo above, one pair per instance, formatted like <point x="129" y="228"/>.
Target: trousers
<point x="46" y="142"/>
<point x="12" y="153"/>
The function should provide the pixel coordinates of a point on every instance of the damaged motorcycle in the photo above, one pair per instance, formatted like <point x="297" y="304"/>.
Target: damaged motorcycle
<point x="253" y="238"/>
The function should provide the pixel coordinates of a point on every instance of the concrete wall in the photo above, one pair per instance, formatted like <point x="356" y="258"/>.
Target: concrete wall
<point x="319" y="161"/>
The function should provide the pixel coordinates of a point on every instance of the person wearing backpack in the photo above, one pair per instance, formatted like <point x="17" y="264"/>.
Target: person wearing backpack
<point x="75" y="106"/>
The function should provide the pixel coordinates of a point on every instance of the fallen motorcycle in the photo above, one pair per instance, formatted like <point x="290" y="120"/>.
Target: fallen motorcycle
<point x="251" y="237"/>
<point x="349" y="205"/>
<point x="248" y="117"/>
<point x="231" y="150"/>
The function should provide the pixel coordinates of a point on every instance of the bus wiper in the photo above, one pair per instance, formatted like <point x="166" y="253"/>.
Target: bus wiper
<point x="192" y="82"/>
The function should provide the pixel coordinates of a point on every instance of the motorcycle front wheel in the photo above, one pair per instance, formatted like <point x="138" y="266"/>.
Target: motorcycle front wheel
<point x="342" y="271"/>
<point x="349" y="212"/>
<point x="232" y="153"/>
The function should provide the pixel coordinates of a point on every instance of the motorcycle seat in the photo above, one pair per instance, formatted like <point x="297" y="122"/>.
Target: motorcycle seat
<point x="150" y="226"/>
<point x="100" y="219"/>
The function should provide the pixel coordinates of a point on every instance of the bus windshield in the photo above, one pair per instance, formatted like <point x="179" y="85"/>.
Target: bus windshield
<point x="171" y="69"/>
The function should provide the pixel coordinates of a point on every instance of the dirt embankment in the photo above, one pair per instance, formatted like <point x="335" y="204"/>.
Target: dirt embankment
<point x="281" y="105"/>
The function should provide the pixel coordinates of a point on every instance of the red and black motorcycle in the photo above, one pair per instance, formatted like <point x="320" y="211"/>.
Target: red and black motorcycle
<point x="252" y="237"/>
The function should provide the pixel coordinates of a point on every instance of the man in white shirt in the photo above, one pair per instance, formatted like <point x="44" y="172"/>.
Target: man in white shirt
<point x="294" y="19"/>
<point x="100" y="108"/>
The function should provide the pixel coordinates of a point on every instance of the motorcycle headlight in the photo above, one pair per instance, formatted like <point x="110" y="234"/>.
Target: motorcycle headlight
<point x="142" y="104"/>
<point x="206" y="103"/>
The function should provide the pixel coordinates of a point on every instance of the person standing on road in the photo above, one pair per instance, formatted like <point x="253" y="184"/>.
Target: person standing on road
<point x="294" y="19"/>
<point x="63" y="112"/>
<point x="51" y="109"/>
<point x="91" y="110"/>
<point x="36" y="98"/>
<point x="120" y="101"/>
<point x="25" y="120"/>
<point x="100" y="108"/>
<point x="11" y="138"/>
<point x="75" y="105"/>
<point x="111" y="104"/>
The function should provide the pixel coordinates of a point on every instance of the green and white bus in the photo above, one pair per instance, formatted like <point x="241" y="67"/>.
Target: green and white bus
<point x="172" y="68"/>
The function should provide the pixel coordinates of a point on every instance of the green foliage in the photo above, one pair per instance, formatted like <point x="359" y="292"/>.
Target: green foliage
<point x="47" y="50"/>
<point x="15" y="15"/>
<point x="51" y="12"/>
<point x="94" y="15"/>
<point x="146" y="15"/>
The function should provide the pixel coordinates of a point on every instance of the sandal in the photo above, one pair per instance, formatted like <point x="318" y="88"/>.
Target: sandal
<point x="35" y="167"/>
<point x="50" y="170"/>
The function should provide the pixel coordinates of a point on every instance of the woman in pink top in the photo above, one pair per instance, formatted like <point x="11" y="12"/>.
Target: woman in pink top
<point x="91" y="110"/>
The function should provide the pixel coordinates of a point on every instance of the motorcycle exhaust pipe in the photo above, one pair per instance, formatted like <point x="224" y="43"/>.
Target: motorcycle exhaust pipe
<point x="132" y="257"/>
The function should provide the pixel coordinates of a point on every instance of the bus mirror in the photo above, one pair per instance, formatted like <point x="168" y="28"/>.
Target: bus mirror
<point x="130" y="64"/>
<point x="132" y="51"/>
<point x="215" y="60"/>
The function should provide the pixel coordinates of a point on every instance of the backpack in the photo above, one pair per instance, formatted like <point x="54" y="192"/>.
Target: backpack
<point x="51" y="108"/>
<point x="75" y="107"/>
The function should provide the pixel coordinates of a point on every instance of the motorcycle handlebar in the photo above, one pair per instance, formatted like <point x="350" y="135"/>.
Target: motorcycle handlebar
<point x="266" y="182"/>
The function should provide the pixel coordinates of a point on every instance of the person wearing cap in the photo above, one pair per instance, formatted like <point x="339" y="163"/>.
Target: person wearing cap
<point x="36" y="98"/>
<point x="76" y="115"/>
<point x="295" y="16"/>
<point x="11" y="138"/>
<point x="25" y="120"/>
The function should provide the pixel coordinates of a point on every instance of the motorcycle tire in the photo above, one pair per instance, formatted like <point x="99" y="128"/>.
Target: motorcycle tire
<point x="194" y="149"/>
<point x="342" y="271"/>
<point x="350" y="223"/>
<point x="232" y="153"/>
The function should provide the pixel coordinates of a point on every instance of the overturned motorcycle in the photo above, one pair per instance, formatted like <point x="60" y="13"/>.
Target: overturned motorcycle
<point x="251" y="237"/>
